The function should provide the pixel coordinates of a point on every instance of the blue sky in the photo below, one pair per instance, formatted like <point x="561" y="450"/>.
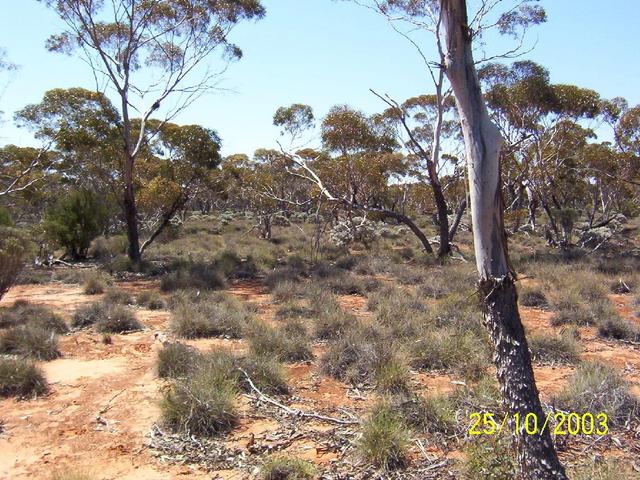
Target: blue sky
<point x="324" y="52"/>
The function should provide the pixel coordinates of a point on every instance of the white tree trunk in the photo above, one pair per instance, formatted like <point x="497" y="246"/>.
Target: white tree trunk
<point x="537" y="456"/>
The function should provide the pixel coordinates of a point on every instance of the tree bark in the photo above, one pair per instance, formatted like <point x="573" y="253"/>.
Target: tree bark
<point x="537" y="456"/>
<point x="131" y="211"/>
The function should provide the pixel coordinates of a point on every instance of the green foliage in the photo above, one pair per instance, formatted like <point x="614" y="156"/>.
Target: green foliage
<point x="75" y="220"/>
<point x="25" y="313"/>
<point x="202" y="403"/>
<point x="151" y="300"/>
<point x="176" y="360"/>
<point x="287" y="468"/>
<point x="385" y="438"/>
<point x="5" y="217"/>
<point x="432" y="414"/>
<point x="551" y="348"/>
<point x="193" y="276"/>
<point x="598" y="388"/>
<point x="491" y="457"/>
<point x="209" y="315"/>
<point x="107" y="318"/>
<point x="619" y="329"/>
<point x="12" y="253"/>
<point x="288" y="343"/>
<point x="31" y="341"/>
<point x="94" y="284"/>
<point x="21" y="378"/>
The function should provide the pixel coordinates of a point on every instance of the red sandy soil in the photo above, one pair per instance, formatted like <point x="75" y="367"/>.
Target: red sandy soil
<point x="104" y="398"/>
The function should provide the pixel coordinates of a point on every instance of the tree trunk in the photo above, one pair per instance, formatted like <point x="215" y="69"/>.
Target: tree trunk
<point x="130" y="211"/>
<point x="537" y="456"/>
<point x="456" y="222"/>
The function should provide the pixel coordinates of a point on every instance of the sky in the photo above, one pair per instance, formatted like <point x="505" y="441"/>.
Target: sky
<point x="323" y="53"/>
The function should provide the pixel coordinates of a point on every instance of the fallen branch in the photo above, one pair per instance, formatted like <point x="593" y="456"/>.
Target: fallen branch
<point x="295" y="412"/>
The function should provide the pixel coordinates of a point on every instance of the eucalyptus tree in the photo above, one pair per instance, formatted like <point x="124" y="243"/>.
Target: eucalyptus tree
<point x="84" y="129"/>
<point x="358" y="166"/>
<point x="153" y="54"/>
<point x="483" y="140"/>
<point x="456" y="33"/>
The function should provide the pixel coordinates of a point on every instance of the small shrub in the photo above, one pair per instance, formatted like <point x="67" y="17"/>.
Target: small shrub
<point x="491" y="457"/>
<point x="107" y="339"/>
<point x="393" y="376"/>
<point x="286" y="468"/>
<point x="360" y="355"/>
<point x="619" y="329"/>
<point x="284" y="291"/>
<point x="333" y="323"/>
<point x="433" y="414"/>
<point x="195" y="275"/>
<point x="533" y="297"/>
<point x="88" y="315"/>
<point x="554" y="348"/>
<point x="265" y="372"/>
<point x="452" y="350"/>
<point x="200" y="404"/>
<point x="21" y="378"/>
<point x="94" y="285"/>
<point x="22" y="313"/>
<point x="75" y="220"/>
<point x="210" y="316"/>
<point x="107" y="318"/>
<point x="597" y="388"/>
<point x="12" y="253"/>
<point x="347" y="284"/>
<point x="30" y="341"/>
<point x="176" y="360"/>
<point x="117" y="296"/>
<point x="150" y="300"/>
<point x="289" y="343"/>
<point x="118" y="319"/>
<point x="384" y="441"/>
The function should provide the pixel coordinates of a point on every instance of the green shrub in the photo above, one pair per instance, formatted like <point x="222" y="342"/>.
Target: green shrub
<point x="118" y="319"/>
<point x="385" y="439"/>
<point x="532" y="297"/>
<point x="491" y="457"/>
<point x="293" y="310"/>
<point x="551" y="348"/>
<point x="284" y="291"/>
<point x="603" y="469"/>
<point x="432" y="414"/>
<point x="88" y="315"/>
<point x="23" y="313"/>
<point x="75" y="220"/>
<point x="286" y="468"/>
<point x="195" y="276"/>
<point x="266" y="373"/>
<point x="392" y="376"/>
<point x="333" y="323"/>
<point x="30" y="341"/>
<point x="202" y="403"/>
<point x="210" y="316"/>
<point x="452" y="350"/>
<point x="289" y="343"/>
<point x="12" y="253"/>
<point x="177" y="360"/>
<point x="21" y="378"/>
<point x="107" y="318"/>
<point x="95" y="284"/>
<point x="5" y="217"/>
<point x="150" y="300"/>
<point x="363" y="354"/>
<point x="619" y="329"/>
<point x="118" y="297"/>
<point x="597" y="388"/>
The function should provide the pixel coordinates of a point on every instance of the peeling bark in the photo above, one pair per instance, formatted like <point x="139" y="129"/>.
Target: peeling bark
<point x="537" y="456"/>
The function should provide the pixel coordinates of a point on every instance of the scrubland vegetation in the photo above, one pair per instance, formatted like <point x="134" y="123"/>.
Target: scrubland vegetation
<point x="320" y="312"/>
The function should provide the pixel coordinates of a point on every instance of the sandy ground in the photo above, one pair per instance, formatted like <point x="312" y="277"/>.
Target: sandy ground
<point x="104" y="398"/>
